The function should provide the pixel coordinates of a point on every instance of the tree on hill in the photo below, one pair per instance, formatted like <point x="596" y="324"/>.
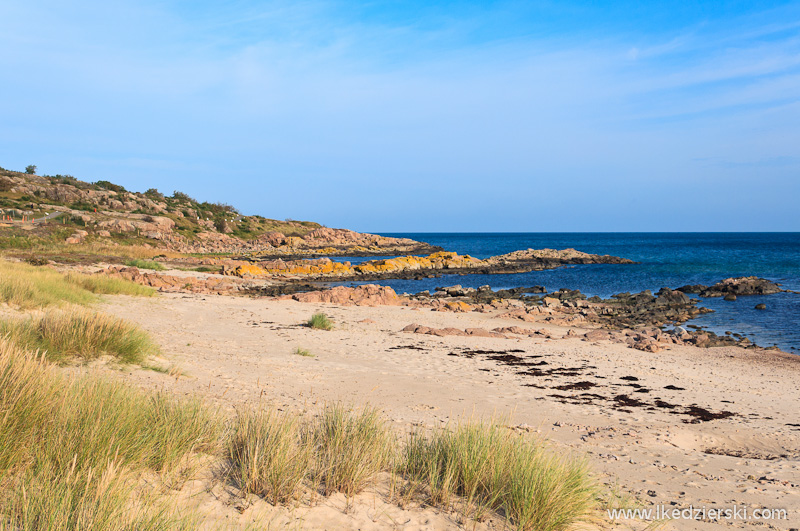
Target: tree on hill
<point x="30" y="169"/>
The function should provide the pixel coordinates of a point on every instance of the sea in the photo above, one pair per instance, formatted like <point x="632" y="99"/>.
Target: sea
<point x="664" y="259"/>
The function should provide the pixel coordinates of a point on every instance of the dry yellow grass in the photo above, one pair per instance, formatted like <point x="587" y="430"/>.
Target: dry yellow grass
<point x="79" y="333"/>
<point x="27" y="286"/>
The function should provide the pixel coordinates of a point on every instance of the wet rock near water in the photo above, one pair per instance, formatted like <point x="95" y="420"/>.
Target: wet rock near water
<point x="665" y="307"/>
<point x="736" y="286"/>
<point x="484" y="294"/>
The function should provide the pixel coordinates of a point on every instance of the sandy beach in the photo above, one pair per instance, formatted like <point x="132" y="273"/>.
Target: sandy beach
<point x="639" y="417"/>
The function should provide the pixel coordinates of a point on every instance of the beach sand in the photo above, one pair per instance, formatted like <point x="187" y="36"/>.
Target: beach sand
<point x="631" y="412"/>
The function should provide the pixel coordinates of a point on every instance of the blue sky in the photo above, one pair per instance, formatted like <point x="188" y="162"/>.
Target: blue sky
<point x="420" y="116"/>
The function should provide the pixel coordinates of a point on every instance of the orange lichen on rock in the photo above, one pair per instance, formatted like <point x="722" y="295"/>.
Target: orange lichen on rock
<point x="327" y="267"/>
<point x="440" y="260"/>
<point x="322" y="266"/>
<point x="458" y="306"/>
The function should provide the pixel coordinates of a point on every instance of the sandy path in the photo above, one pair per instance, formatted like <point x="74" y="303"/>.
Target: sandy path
<point x="236" y="349"/>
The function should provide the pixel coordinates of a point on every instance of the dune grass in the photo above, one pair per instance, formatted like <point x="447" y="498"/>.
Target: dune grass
<point x="299" y="351"/>
<point x="145" y="264"/>
<point x="488" y="467"/>
<point x="79" y="333"/>
<point x="72" y="450"/>
<point x="320" y="321"/>
<point x="475" y="468"/>
<point x="27" y="286"/>
<point x="269" y="455"/>
<point x="352" y="448"/>
<point x="275" y="455"/>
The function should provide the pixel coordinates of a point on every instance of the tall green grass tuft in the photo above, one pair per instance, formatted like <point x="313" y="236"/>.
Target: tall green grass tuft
<point x="268" y="454"/>
<point x="488" y="467"/>
<point x="28" y="286"/>
<point x="145" y="264"/>
<point x="80" y="333"/>
<point x="320" y="321"/>
<point x="352" y="448"/>
<point x="72" y="449"/>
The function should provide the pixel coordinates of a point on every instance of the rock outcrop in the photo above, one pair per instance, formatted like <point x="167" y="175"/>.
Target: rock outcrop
<point x="736" y="286"/>
<point x="173" y="283"/>
<point x="366" y="295"/>
<point x="423" y="266"/>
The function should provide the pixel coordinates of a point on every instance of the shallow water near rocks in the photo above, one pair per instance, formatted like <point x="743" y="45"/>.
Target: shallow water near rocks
<point x="666" y="259"/>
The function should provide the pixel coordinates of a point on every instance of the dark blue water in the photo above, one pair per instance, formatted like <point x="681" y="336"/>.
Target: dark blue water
<point x="666" y="259"/>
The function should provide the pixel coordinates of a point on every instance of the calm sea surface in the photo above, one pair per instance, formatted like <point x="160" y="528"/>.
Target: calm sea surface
<point x="666" y="259"/>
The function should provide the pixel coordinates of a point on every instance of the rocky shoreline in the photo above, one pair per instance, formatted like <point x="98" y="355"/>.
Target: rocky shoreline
<point x="645" y="321"/>
<point x="416" y="267"/>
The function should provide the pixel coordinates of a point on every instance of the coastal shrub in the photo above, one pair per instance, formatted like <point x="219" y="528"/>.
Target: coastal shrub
<point x="268" y="454"/>
<point x="81" y="334"/>
<point x="180" y="196"/>
<point x="320" y="321"/>
<point x="145" y="264"/>
<point x="107" y="185"/>
<point x="352" y="448"/>
<point x="28" y="286"/>
<point x="154" y="194"/>
<point x="489" y="467"/>
<point x="72" y="450"/>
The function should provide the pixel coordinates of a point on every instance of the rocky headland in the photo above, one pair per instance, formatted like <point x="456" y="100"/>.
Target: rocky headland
<point x="66" y="210"/>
